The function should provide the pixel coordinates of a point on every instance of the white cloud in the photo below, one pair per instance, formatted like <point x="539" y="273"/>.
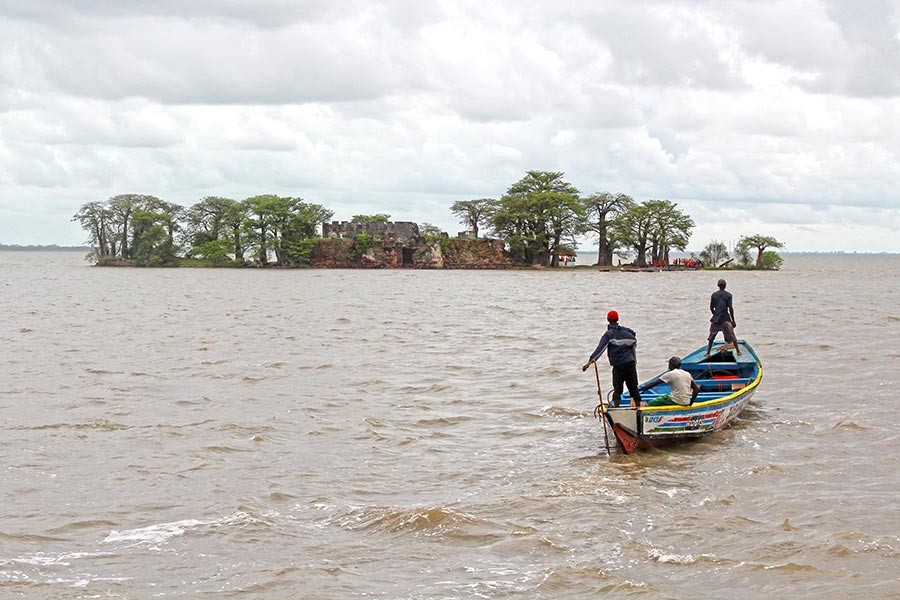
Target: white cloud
<point x="758" y="117"/>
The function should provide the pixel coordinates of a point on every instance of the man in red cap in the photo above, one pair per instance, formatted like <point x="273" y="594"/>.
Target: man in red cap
<point x="622" y="343"/>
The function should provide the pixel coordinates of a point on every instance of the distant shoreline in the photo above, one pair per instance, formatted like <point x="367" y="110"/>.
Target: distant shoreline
<point x="56" y="248"/>
<point x="40" y="248"/>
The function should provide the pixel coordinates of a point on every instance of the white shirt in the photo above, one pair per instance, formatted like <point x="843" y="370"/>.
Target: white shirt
<point x="679" y="382"/>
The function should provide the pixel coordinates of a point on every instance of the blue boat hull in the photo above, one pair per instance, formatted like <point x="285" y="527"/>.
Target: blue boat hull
<point x="727" y="383"/>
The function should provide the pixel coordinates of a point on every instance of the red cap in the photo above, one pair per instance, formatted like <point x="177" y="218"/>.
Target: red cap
<point x="612" y="316"/>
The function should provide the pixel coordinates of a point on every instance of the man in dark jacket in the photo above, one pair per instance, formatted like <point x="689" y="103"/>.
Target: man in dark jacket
<point x="720" y="305"/>
<point x="622" y="343"/>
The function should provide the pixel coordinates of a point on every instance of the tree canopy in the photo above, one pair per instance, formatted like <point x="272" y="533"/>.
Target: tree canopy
<point x="147" y="231"/>
<point x="601" y="208"/>
<point x="714" y="253"/>
<point x="538" y="218"/>
<point x="472" y="213"/>
<point x="760" y="243"/>
<point x="536" y="215"/>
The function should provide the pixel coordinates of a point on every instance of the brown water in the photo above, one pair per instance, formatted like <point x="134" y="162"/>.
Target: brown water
<point x="428" y="434"/>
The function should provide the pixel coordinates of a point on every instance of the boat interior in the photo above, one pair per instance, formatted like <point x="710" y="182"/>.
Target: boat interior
<point x="721" y="373"/>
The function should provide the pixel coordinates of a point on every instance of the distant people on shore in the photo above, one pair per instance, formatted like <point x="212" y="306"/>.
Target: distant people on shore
<point x="622" y="344"/>
<point x="687" y="263"/>
<point x="722" y="309"/>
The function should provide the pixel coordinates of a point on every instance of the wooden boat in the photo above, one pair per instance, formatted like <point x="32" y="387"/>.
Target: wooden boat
<point x="727" y="382"/>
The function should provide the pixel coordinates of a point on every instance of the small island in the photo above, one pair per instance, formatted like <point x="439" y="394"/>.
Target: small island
<point x="534" y="224"/>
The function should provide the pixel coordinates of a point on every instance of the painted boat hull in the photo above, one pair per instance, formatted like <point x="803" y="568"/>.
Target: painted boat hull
<point x="721" y="401"/>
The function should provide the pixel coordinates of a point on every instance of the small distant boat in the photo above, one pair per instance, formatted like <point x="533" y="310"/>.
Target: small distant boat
<point x="727" y="382"/>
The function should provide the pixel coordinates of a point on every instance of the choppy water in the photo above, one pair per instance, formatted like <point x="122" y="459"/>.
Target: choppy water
<point x="428" y="434"/>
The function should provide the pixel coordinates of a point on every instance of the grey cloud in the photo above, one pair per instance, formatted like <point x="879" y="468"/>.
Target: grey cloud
<point x="849" y="48"/>
<point x="261" y="13"/>
<point x="178" y="64"/>
<point x="648" y="49"/>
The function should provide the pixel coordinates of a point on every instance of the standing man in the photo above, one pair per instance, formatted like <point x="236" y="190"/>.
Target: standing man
<point x="722" y="318"/>
<point x="622" y="343"/>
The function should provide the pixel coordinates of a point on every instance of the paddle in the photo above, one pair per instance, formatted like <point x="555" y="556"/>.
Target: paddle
<point x="602" y="408"/>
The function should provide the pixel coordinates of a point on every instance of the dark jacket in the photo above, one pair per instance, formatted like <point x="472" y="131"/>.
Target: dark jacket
<point x="621" y="342"/>
<point x="720" y="306"/>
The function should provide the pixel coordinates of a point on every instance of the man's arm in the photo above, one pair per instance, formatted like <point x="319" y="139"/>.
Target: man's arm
<point x="731" y="313"/>
<point x="646" y="386"/>
<point x="695" y="389"/>
<point x="649" y="384"/>
<point x="597" y="352"/>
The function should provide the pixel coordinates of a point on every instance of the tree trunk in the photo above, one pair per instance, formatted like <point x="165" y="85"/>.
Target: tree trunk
<point x="238" y="247"/>
<point x="554" y="257"/>
<point x="641" y="256"/>
<point x="604" y="256"/>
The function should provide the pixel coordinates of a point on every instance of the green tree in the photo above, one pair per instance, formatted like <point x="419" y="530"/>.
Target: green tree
<point x="154" y="223"/>
<point x="742" y="254"/>
<point x="121" y="209"/>
<point x="206" y="221"/>
<point x="214" y="251"/>
<point x="771" y="260"/>
<point x="632" y="229"/>
<point x="670" y="229"/>
<point x="431" y="233"/>
<point x="535" y="215"/>
<point x="237" y="228"/>
<point x="602" y="208"/>
<point x="259" y="224"/>
<point x="472" y="213"/>
<point x="653" y="227"/>
<point x="378" y="218"/>
<point x="566" y="219"/>
<point x="714" y="253"/>
<point x="281" y="225"/>
<point x="95" y="218"/>
<point x="302" y="225"/>
<point x="760" y="243"/>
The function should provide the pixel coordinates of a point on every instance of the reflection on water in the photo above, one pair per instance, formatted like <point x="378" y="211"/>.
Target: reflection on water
<point x="427" y="434"/>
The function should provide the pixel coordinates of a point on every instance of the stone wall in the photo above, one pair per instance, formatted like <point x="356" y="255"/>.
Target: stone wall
<point x="450" y="253"/>
<point x="462" y="253"/>
<point x="404" y="233"/>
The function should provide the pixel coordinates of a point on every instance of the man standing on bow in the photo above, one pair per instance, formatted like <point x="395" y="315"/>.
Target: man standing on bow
<point x="622" y="343"/>
<point x="722" y="318"/>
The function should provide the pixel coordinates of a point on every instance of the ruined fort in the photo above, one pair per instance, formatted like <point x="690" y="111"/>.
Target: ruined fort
<point x="400" y="245"/>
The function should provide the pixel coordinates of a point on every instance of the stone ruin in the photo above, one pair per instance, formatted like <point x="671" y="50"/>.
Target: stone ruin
<point x="401" y="245"/>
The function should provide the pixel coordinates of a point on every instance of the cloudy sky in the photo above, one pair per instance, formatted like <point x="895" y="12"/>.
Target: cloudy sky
<point x="779" y="117"/>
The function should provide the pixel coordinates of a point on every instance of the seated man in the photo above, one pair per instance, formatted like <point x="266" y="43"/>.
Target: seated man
<point x="683" y="388"/>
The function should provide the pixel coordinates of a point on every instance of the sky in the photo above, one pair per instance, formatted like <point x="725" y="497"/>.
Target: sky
<point x="777" y="117"/>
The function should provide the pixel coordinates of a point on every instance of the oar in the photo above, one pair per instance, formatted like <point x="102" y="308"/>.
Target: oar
<point x="602" y="408"/>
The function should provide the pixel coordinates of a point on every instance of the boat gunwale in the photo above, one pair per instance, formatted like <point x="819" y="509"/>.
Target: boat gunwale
<point x="706" y="403"/>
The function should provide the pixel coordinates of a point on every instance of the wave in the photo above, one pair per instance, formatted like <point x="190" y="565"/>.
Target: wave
<point x="29" y="537"/>
<point x="661" y="556"/>
<point x="429" y="422"/>
<point x="437" y="521"/>
<point x="851" y="425"/>
<point x="562" y="411"/>
<point x="100" y="424"/>
<point x="160" y="533"/>
<point x="79" y="525"/>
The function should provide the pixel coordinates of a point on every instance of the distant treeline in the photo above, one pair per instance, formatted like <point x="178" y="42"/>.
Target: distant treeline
<point x="539" y="219"/>
<point x="39" y="247"/>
